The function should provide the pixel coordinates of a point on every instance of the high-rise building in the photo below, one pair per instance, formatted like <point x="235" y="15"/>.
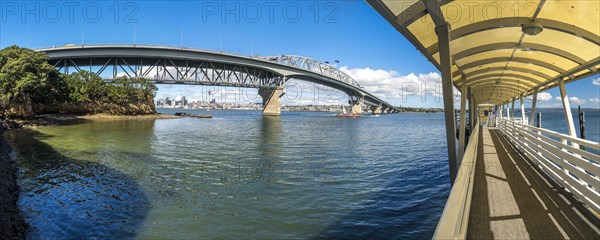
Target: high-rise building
<point x="184" y="101"/>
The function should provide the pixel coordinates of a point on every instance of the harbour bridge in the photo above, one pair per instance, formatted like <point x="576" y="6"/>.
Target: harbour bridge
<point x="170" y="65"/>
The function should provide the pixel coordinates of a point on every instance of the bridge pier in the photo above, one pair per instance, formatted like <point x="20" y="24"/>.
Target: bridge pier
<point x="356" y="107"/>
<point x="387" y="110"/>
<point x="271" y="102"/>
<point x="376" y="109"/>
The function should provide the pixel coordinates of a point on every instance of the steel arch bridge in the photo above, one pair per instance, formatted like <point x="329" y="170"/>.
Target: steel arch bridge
<point x="171" y="65"/>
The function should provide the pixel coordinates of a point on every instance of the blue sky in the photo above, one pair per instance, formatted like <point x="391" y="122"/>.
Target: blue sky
<point x="348" y="31"/>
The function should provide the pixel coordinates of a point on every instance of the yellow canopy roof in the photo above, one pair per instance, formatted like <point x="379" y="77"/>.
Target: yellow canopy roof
<point x="493" y="54"/>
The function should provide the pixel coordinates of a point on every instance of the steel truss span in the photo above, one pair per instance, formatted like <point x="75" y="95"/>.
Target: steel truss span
<point x="175" y="71"/>
<point x="169" y="65"/>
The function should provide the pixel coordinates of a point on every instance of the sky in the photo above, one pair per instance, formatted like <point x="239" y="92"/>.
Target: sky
<point x="367" y="47"/>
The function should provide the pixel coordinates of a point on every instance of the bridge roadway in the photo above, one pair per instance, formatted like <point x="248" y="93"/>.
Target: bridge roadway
<point x="170" y="65"/>
<point x="514" y="199"/>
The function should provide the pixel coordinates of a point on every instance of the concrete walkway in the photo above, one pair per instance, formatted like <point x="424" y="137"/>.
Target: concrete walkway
<point x="514" y="200"/>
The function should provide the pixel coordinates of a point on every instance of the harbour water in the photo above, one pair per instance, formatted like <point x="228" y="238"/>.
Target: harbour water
<point x="238" y="176"/>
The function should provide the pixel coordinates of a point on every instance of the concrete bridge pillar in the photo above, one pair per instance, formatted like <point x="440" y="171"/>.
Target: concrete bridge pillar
<point x="387" y="110"/>
<point x="376" y="109"/>
<point x="356" y="107"/>
<point x="271" y="102"/>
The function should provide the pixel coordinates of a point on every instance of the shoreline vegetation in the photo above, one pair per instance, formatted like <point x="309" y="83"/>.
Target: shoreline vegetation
<point x="33" y="93"/>
<point x="30" y="87"/>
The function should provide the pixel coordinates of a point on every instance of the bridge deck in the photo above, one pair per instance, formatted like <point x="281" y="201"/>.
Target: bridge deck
<point x="514" y="200"/>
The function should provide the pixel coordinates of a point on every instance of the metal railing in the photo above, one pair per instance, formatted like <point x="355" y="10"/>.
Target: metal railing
<point x="455" y="218"/>
<point x="571" y="162"/>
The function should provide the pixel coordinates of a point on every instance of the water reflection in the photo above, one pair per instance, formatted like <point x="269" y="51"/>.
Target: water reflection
<point x="270" y="139"/>
<point x="66" y="198"/>
<point x="238" y="176"/>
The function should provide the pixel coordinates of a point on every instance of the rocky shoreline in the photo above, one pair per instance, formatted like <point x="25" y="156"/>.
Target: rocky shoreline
<point x="12" y="224"/>
<point x="58" y="119"/>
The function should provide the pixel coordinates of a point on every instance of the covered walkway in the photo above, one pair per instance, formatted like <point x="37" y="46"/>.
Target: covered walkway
<point x="496" y="59"/>
<point x="513" y="199"/>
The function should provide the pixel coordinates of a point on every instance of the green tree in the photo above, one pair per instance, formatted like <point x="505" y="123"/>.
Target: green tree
<point x="27" y="78"/>
<point x="85" y="87"/>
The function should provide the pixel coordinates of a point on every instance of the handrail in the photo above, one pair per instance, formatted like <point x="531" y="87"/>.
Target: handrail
<point x="577" y="170"/>
<point x="455" y="218"/>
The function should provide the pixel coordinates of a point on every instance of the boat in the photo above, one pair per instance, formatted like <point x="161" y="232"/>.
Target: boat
<point x="350" y="115"/>
<point x="200" y="115"/>
<point x="346" y="114"/>
<point x="194" y="115"/>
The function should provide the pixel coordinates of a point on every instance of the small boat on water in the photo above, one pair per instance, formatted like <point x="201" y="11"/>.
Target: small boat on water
<point x="193" y="115"/>
<point x="346" y="114"/>
<point x="350" y="115"/>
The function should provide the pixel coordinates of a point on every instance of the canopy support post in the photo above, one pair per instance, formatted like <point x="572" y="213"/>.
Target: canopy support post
<point x="471" y="109"/>
<point x="443" y="32"/>
<point x="462" y="129"/>
<point x="512" y="110"/>
<point x="523" y="111"/>
<point x="567" y="109"/>
<point x="533" y="105"/>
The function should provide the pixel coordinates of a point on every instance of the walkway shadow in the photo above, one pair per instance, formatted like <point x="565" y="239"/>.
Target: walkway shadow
<point x="65" y="198"/>
<point x="480" y="209"/>
<point x="547" y="210"/>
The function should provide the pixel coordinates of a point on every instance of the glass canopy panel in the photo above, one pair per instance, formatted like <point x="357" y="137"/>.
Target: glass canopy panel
<point x="498" y="92"/>
<point x="535" y="68"/>
<point x="536" y="79"/>
<point x="487" y="89"/>
<point x="581" y="13"/>
<point x="485" y="55"/>
<point x="580" y="73"/>
<point x="462" y="13"/>
<point x="512" y="34"/>
<point x="424" y="30"/>
<point x="553" y="59"/>
<point x="436" y="57"/>
<point x="398" y="6"/>
<point x="507" y="80"/>
<point x="485" y="66"/>
<point x="566" y="42"/>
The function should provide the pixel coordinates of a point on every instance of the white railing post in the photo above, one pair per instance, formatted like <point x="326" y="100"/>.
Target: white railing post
<point x="512" y="109"/>
<point x="523" y="119"/>
<point x="567" y="110"/>
<point x="533" y="105"/>
<point x="571" y="167"/>
<point x="461" y="130"/>
<point x="507" y="111"/>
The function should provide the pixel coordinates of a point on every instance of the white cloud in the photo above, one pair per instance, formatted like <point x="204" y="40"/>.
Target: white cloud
<point x="596" y="81"/>
<point x="573" y="100"/>
<point x="544" y="96"/>
<point x="391" y="84"/>
<point x="576" y="100"/>
<point x="595" y="100"/>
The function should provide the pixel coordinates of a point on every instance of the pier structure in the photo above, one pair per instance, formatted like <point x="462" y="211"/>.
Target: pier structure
<point x="511" y="179"/>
